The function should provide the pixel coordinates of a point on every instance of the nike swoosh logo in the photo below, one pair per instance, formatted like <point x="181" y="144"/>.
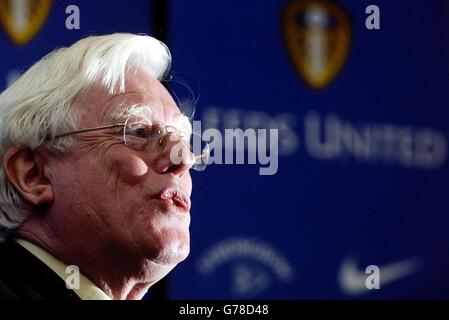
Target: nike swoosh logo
<point x="352" y="279"/>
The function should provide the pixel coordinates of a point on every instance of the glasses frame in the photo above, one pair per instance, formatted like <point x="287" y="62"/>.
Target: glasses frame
<point x="161" y="139"/>
<point x="90" y="130"/>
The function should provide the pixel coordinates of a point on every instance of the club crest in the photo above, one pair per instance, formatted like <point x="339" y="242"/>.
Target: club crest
<point x="318" y="37"/>
<point x="23" y="19"/>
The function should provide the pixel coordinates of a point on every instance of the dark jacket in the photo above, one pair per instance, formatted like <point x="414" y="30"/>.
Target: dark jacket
<point x="25" y="277"/>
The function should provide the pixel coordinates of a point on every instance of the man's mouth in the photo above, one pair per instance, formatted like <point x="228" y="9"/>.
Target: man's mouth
<point x="177" y="197"/>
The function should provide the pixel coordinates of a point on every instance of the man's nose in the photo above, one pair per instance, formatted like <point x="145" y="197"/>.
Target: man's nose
<point x="175" y="156"/>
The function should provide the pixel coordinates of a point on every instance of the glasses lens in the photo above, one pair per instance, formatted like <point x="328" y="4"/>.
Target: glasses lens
<point x="136" y="135"/>
<point x="201" y="152"/>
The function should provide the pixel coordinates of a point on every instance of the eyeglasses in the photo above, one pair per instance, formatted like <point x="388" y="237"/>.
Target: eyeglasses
<point x="139" y="134"/>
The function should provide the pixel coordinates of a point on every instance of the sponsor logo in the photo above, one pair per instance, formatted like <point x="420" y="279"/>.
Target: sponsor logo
<point x="354" y="281"/>
<point x="317" y="34"/>
<point x="23" y="19"/>
<point x="255" y="266"/>
<point x="331" y="137"/>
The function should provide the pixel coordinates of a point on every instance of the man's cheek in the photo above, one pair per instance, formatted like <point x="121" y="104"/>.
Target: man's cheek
<point x="186" y="182"/>
<point x="130" y="169"/>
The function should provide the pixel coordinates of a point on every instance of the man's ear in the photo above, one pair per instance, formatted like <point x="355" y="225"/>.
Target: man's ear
<point x="25" y="169"/>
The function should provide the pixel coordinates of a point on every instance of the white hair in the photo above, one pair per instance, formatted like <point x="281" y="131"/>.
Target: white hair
<point x="38" y="106"/>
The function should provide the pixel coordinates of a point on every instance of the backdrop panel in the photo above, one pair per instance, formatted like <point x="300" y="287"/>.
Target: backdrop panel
<point x="362" y="180"/>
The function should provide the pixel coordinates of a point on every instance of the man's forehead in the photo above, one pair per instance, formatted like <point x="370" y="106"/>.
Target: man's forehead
<point x="145" y="111"/>
<point x="161" y="105"/>
<point x="123" y="106"/>
<point x="140" y="90"/>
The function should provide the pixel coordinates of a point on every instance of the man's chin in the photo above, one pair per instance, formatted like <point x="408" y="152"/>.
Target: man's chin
<point x="169" y="256"/>
<point x="172" y="258"/>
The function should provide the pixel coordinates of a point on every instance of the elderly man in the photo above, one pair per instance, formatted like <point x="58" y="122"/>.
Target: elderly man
<point x="88" y="181"/>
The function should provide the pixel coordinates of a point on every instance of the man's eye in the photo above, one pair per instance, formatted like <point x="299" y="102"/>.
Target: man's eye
<point x="138" y="132"/>
<point x="148" y="132"/>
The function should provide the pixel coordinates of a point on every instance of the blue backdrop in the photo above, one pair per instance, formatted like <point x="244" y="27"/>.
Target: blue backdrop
<point x="362" y="115"/>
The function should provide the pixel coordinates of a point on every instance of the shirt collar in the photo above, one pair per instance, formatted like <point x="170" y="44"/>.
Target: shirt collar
<point x="87" y="289"/>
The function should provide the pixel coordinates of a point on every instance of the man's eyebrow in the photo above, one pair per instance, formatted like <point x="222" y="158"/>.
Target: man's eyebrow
<point x="110" y="104"/>
<point x="183" y="123"/>
<point x="123" y="111"/>
<point x="180" y="121"/>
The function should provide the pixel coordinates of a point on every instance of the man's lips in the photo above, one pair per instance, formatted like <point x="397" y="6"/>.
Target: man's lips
<point x="178" y="197"/>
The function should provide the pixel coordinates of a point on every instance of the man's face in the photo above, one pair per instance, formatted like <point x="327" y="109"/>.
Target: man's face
<point x="130" y="201"/>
